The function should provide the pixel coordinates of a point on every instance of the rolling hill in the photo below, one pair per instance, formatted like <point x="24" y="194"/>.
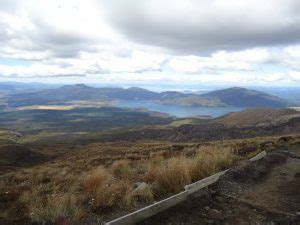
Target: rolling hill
<point x="243" y="97"/>
<point x="258" y="116"/>
<point x="16" y="155"/>
<point x="79" y="92"/>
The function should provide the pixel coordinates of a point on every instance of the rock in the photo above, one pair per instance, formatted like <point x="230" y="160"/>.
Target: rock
<point x="206" y="207"/>
<point x="140" y="186"/>
<point x="215" y="214"/>
<point x="203" y="215"/>
<point x="137" y="184"/>
<point x="155" y="186"/>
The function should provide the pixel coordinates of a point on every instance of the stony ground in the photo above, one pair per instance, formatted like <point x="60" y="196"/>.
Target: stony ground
<point x="262" y="192"/>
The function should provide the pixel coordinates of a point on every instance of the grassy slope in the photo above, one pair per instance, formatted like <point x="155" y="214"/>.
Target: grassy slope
<point x="67" y="185"/>
<point x="255" y="116"/>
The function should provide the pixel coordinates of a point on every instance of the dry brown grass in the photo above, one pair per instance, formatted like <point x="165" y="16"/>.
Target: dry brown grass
<point x="115" y="194"/>
<point x="97" y="181"/>
<point x="105" y="192"/>
<point x="172" y="175"/>
<point x="209" y="160"/>
<point x="121" y="168"/>
<point x="50" y="208"/>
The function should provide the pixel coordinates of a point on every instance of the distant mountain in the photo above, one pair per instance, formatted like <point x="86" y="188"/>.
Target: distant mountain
<point x="245" y="98"/>
<point x="27" y="86"/>
<point x="62" y="94"/>
<point x="6" y="87"/>
<point x="133" y="93"/>
<point x="80" y="92"/>
<point x="291" y="94"/>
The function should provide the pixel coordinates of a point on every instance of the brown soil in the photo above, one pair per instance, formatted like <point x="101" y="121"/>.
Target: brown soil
<point x="262" y="192"/>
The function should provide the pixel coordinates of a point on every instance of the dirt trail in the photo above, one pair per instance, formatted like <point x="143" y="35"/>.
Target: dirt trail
<point x="280" y="190"/>
<point x="262" y="192"/>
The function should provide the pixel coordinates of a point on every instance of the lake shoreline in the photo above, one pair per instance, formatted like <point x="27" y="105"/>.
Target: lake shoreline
<point x="179" y="111"/>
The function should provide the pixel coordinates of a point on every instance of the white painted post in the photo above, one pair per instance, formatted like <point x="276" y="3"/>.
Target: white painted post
<point x="157" y="207"/>
<point x="258" y="156"/>
<point x="191" y="188"/>
<point x="150" y="210"/>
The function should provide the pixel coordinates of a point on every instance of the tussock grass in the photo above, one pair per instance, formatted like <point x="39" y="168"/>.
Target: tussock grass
<point x="52" y="207"/>
<point x="121" y="168"/>
<point x="93" y="181"/>
<point x="172" y="175"/>
<point x="209" y="160"/>
<point x="115" y="194"/>
<point x="105" y="192"/>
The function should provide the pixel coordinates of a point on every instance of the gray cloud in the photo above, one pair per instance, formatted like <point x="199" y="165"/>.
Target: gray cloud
<point x="151" y="40"/>
<point x="61" y="43"/>
<point x="4" y="35"/>
<point x="41" y="40"/>
<point x="201" y="27"/>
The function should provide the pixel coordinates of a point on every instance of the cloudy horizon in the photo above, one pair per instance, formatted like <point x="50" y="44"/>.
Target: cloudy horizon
<point x="180" y="43"/>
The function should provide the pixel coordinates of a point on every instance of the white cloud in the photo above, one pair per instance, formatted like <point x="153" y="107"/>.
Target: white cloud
<point x="152" y="41"/>
<point x="294" y="76"/>
<point x="241" y="60"/>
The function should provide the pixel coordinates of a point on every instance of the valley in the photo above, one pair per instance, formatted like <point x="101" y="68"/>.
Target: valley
<point x="236" y="97"/>
<point x="76" y="158"/>
<point x="149" y="112"/>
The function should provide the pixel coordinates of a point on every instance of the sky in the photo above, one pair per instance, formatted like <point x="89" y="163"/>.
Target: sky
<point x="152" y="42"/>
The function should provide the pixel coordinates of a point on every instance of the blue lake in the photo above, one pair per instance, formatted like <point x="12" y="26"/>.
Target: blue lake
<point x="179" y="111"/>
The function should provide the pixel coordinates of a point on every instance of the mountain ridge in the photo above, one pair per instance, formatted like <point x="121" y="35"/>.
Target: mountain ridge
<point x="235" y="96"/>
<point x="244" y="97"/>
